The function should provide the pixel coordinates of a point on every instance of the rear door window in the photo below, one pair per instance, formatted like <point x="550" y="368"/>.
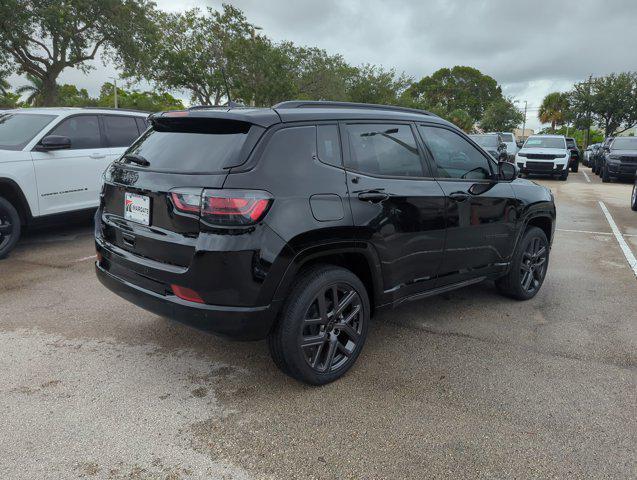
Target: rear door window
<point x="120" y="131"/>
<point x="82" y="130"/>
<point x="384" y="149"/>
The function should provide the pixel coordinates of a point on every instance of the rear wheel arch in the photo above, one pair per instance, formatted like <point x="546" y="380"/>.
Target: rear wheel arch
<point x="360" y="260"/>
<point x="12" y="192"/>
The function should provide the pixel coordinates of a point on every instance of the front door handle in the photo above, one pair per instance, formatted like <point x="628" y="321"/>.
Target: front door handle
<point x="459" y="196"/>
<point x="97" y="155"/>
<point x="373" y="197"/>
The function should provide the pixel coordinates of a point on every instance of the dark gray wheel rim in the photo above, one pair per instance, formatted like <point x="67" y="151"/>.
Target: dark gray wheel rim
<point x="533" y="265"/>
<point x="6" y="228"/>
<point x="332" y="328"/>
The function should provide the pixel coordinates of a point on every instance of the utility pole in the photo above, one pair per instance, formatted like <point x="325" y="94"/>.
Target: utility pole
<point x="524" y="123"/>
<point x="115" y="90"/>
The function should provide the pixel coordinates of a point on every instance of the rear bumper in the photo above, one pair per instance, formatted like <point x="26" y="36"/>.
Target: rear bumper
<point x="240" y="323"/>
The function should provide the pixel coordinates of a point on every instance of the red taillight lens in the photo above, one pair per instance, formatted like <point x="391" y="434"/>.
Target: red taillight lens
<point x="186" y="294"/>
<point x="234" y="207"/>
<point x="186" y="202"/>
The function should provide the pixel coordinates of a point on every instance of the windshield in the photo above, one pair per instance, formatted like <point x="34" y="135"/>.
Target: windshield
<point x="570" y="142"/>
<point x="507" y="137"/>
<point x="18" y="129"/>
<point x="624" y="143"/>
<point x="545" y="142"/>
<point x="485" y="140"/>
<point x="207" y="148"/>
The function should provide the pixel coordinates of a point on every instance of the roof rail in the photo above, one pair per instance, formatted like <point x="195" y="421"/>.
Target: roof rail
<point x="331" y="104"/>
<point x="227" y="105"/>
<point x="117" y="109"/>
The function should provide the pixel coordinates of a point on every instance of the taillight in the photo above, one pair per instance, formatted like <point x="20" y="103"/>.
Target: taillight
<point x="234" y="208"/>
<point x="223" y="208"/>
<point x="186" y="202"/>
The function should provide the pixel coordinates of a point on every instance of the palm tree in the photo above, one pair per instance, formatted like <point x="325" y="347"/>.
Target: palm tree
<point x="35" y="90"/>
<point x="554" y="109"/>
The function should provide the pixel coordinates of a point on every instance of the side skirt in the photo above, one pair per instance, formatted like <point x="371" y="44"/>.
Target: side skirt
<point x="438" y="291"/>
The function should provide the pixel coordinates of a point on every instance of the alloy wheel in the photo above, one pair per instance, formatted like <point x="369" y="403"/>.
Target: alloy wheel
<point x="332" y="328"/>
<point x="533" y="265"/>
<point x="6" y="228"/>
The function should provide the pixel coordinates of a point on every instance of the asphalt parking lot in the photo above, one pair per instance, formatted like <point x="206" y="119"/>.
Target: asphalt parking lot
<point x="469" y="384"/>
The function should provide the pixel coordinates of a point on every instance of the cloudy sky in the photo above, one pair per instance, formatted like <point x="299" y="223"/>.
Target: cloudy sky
<point x="531" y="47"/>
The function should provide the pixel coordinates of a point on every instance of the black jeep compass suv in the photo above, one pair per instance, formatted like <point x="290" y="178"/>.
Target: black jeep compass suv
<point x="298" y="222"/>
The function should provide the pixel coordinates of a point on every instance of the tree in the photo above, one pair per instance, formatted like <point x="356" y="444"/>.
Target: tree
<point x="71" y="96"/>
<point x="43" y="37"/>
<point x="34" y="91"/>
<point x="554" y="109"/>
<point x="461" y="119"/>
<point x="137" y="100"/>
<point x="610" y="102"/>
<point x="501" y="116"/>
<point x="373" y="84"/>
<point x="458" y="88"/>
<point x="4" y="84"/>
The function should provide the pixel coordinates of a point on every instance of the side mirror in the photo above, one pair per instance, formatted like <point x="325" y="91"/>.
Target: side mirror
<point x="507" y="171"/>
<point x="54" y="142"/>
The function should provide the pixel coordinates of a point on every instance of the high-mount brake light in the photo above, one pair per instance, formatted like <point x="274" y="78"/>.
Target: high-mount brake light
<point x="234" y="208"/>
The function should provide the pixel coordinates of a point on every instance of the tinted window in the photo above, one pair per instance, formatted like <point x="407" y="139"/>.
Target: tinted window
<point x="328" y="146"/>
<point x="507" y="137"/>
<point x="454" y="156"/>
<point x="142" y="124"/>
<point x="486" y="140"/>
<point x="18" y="129"/>
<point x="544" y="142"/>
<point x="570" y="143"/>
<point x="205" y="147"/>
<point x="83" y="130"/>
<point x="384" y="149"/>
<point x="120" y="131"/>
<point x="624" y="143"/>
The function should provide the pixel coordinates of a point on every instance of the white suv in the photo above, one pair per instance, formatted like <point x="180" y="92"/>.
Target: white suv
<point x="52" y="160"/>
<point x="545" y="155"/>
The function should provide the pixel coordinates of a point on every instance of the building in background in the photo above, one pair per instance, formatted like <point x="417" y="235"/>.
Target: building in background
<point x="520" y="135"/>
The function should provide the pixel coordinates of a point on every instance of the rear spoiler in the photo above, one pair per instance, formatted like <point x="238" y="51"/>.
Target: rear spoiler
<point x="263" y="117"/>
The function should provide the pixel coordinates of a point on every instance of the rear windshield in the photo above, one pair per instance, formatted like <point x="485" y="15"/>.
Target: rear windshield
<point x="570" y="142"/>
<point x="204" y="147"/>
<point x="507" y="137"/>
<point x="18" y="129"/>
<point x="485" y="140"/>
<point x="624" y="143"/>
<point x="545" y="142"/>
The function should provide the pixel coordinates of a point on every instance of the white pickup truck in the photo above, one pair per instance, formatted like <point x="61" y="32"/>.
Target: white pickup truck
<point x="52" y="160"/>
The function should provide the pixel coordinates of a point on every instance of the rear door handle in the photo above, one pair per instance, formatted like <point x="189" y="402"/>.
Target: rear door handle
<point x="373" y="197"/>
<point x="459" y="196"/>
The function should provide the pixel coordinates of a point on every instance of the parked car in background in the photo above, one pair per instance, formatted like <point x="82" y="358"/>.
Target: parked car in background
<point x="512" y="147"/>
<point x="586" y="155"/>
<point x="600" y="157"/>
<point x="296" y="223"/>
<point x="620" y="159"/>
<point x="633" y="197"/>
<point x="492" y="143"/>
<point x="575" y="154"/>
<point x="545" y="155"/>
<point x="52" y="160"/>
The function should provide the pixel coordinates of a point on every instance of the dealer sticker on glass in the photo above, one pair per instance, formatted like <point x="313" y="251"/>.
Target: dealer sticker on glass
<point x="137" y="208"/>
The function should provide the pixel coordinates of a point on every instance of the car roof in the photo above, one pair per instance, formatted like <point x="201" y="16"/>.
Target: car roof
<point x="72" y="110"/>
<point x="298" y="111"/>
<point x="547" y="136"/>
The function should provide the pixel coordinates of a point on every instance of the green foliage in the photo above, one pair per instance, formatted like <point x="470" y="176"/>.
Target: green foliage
<point x="71" y="96"/>
<point x="554" y="109"/>
<point x="611" y="101"/>
<point x="9" y="100"/>
<point x="34" y="91"/>
<point x="597" y="136"/>
<point x="373" y="84"/>
<point x="137" y="100"/>
<point x="458" y="88"/>
<point x="460" y="119"/>
<point x="43" y="37"/>
<point x="501" y="116"/>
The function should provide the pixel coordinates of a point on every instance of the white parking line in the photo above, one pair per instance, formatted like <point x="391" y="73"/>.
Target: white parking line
<point x="83" y="259"/>
<point x="586" y="177"/>
<point x="632" y="261"/>
<point x="583" y="231"/>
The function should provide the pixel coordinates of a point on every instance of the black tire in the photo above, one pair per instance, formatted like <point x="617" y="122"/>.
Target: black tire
<point x="605" y="175"/>
<point x="10" y="227"/>
<point x="564" y="175"/>
<point x="525" y="263"/>
<point x="633" y="198"/>
<point x="575" y="167"/>
<point x="332" y="345"/>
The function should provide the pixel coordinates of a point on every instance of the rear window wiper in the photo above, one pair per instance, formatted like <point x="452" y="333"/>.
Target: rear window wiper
<point x="138" y="159"/>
